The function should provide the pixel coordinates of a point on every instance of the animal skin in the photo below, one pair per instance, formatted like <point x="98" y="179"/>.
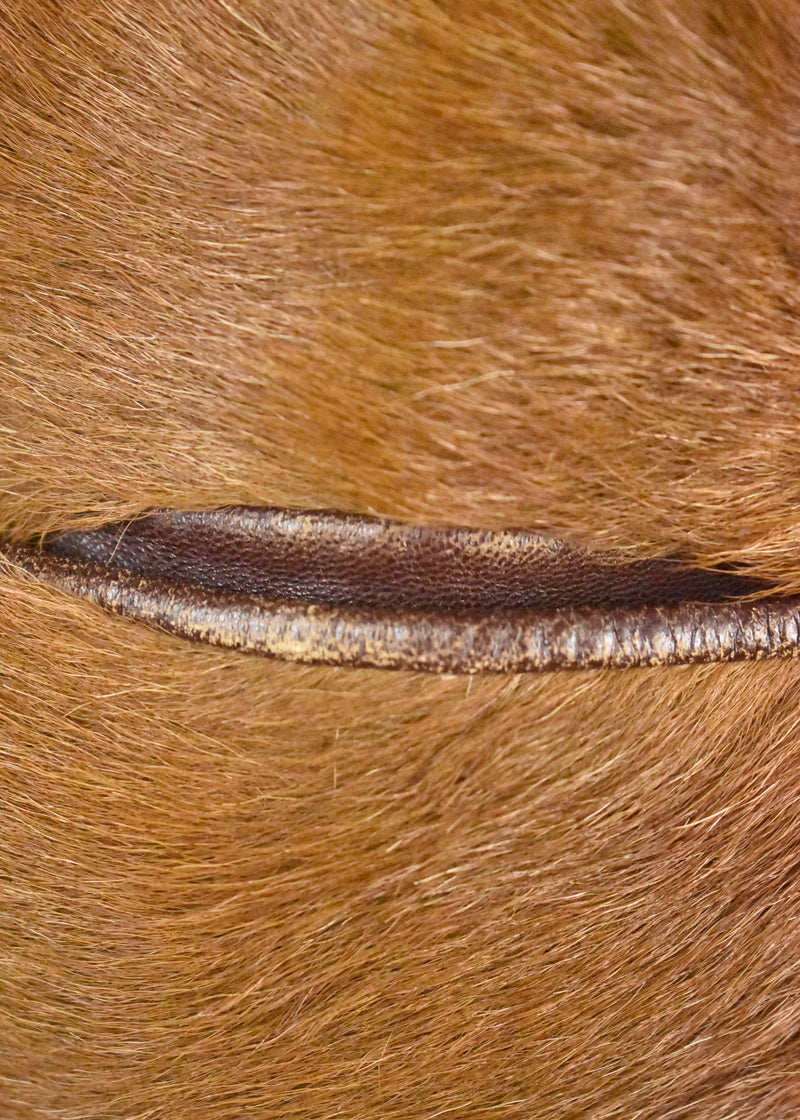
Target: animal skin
<point x="492" y="264"/>
<point x="331" y="589"/>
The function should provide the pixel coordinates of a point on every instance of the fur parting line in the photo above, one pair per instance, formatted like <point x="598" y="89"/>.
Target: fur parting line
<point x="347" y="590"/>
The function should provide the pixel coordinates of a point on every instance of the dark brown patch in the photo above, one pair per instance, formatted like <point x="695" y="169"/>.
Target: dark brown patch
<point x="326" y="587"/>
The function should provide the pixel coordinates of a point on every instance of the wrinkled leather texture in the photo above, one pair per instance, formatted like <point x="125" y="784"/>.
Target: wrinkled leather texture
<point x="337" y="589"/>
<point x="339" y="560"/>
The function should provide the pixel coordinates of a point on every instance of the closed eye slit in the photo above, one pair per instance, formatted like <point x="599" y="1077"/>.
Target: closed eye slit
<point x="341" y="589"/>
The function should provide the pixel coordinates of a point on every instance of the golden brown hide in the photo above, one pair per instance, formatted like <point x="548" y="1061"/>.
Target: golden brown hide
<point x="499" y="263"/>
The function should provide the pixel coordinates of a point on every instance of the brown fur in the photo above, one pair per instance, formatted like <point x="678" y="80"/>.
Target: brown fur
<point x="526" y="263"/>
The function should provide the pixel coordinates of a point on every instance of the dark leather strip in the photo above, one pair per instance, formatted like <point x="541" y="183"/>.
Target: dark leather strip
<point x="325" y="587"/>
